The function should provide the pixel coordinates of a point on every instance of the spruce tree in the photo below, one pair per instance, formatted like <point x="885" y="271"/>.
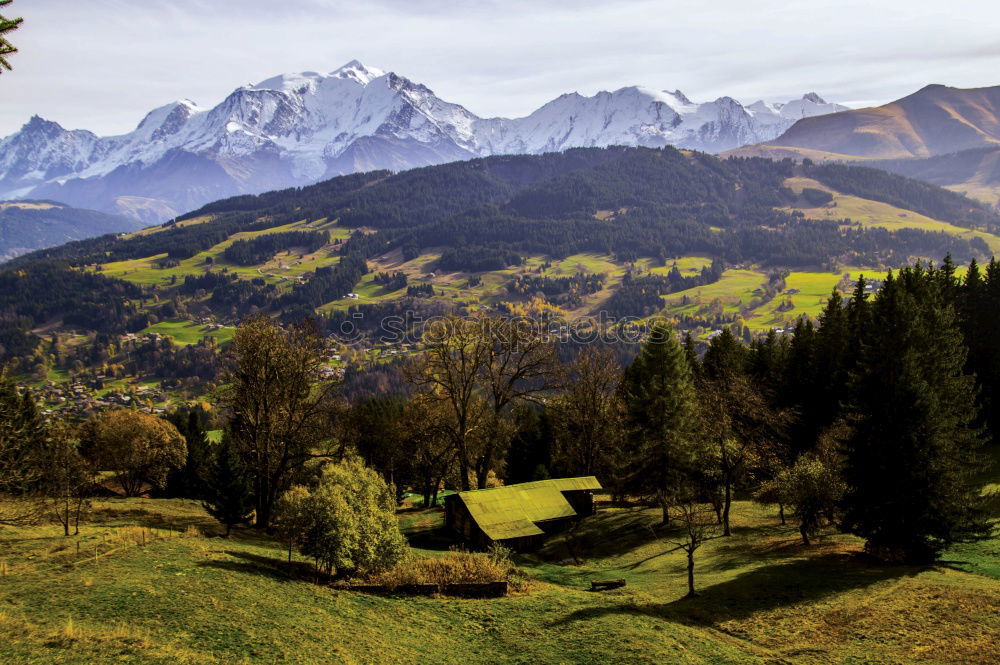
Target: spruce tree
<point x="660" y="419"/>
<point x="22" y="438"/>
<point x="226" y="487"/>
<point x="7" y="26"/>
<point x="915" y="442"/>
<point x="187" y="481"/>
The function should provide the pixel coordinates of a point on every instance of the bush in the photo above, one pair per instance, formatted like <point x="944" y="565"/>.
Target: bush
<point x="455" y="567"/>
<point x="351" y="521"/>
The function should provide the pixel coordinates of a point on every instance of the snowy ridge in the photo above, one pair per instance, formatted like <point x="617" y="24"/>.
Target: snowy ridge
<point x="294" y="129"/>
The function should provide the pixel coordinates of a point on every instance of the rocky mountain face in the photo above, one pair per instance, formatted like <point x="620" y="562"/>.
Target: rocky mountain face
<point x="297" y="129"/>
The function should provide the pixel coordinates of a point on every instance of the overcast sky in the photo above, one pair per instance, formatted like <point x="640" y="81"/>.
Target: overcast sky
<point x="102" y="64"/>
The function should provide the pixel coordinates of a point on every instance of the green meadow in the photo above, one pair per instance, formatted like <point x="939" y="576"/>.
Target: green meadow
<point x="189" y="332"/>
<point x="172" y="591"/>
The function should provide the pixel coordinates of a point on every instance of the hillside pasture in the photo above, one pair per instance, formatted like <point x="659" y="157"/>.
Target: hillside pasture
<point x="172" y="591"/>
<point x="284" y="265"/>
<point x="189" y="332"/>
<point x="877" y="214"/>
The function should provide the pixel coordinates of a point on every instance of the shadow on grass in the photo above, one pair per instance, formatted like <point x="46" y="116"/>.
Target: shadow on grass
<point x="264" y="566"/>
<point x="759" y="590"/>
<point x="425" y="529"/>
<point x="112" y="515"/>
<point x="601" y="536"/>
<point x="440" y="539"/>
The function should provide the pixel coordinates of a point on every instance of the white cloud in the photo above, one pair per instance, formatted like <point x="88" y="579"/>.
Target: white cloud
<point x="102" y="64"/>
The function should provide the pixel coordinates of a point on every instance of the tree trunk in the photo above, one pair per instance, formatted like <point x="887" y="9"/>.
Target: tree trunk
<point x="666" y="513"/>
<point x="229" y="528"/>
<point x="691" y="591"/>
<point x="464" y="470"/>
<point x="781" y="513"/>
<point x="725" y="509"/>
<point x="805" y="533"/>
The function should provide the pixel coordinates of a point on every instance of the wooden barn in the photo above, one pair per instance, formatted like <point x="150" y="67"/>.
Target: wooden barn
<point x="519" y="516"/>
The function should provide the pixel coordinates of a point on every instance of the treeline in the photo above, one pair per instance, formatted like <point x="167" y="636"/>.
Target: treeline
<point x="259" y="249"/>
<point x="474" y="258"/>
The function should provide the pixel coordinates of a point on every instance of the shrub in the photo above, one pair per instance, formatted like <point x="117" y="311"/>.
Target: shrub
<point x="136" y="446"/>
<point x="455" y="567"/>
<point x="352" y="526"/>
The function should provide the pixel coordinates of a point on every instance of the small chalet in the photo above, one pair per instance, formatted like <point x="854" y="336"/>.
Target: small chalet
<point x="520" y="516"/>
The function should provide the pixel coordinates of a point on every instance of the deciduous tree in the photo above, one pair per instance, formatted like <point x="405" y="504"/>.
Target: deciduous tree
<point x="352" y="525"/>
<point x="587" y="416"/>
<point x="280" y="402"/>
<point x="136" y="447"/>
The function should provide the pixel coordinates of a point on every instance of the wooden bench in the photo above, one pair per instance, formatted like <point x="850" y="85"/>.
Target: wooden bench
<point x="602" y="585"/>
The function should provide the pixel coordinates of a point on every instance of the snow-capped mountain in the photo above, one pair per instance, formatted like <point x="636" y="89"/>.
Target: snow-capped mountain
<point x="296" y="129"/>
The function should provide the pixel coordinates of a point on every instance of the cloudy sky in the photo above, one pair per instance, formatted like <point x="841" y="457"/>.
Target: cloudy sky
<point x="102" y="64"/>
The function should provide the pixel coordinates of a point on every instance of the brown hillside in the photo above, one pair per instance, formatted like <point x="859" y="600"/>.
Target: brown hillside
<point x="932" y="121"/>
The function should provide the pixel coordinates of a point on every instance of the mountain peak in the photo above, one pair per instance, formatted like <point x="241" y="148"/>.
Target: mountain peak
<point x="813" y="97"/>
<point x="356" y="71"/>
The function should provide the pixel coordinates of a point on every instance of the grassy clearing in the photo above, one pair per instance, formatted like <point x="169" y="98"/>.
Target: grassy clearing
<point x="765" y="599"/>
<point x="734" y="289"/>
<point x="187" y="222"/>
<point x="189" y="332"/>
<point x="878" y="214"/>
<point x="808" y="292"/>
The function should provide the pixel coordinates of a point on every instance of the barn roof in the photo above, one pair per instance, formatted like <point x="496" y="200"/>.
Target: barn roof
<point x="512" y="511"/>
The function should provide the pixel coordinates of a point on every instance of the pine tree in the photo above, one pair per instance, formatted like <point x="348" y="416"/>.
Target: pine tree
<point x="22" y="438"/>
<point x="187" y="481"/>
<point x="660" y="420"/>
<point x="726" y="356"/>
<point x="691" y="352"/>
<point x="7" y="26"/>
<point x="227" y="490"/>
<point x="915" y="442"/>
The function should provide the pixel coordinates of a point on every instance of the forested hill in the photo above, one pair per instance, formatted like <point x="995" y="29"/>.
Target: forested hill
<point x="300" y="250"/>
<point x="658" y="201"/>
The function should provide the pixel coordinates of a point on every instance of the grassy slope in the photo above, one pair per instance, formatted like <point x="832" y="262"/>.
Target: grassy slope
<point x="285" y="264"/>
<point x="734" y="292"/>
<point x="765" y="599"/>
<point x="188" y="332"/>
<point x="876" y="213"/>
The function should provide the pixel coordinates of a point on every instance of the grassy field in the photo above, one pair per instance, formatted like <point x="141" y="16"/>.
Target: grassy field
<point x="876" y="213"/>
<point x="188" y="332"/>
<point x="183" y="597"/>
